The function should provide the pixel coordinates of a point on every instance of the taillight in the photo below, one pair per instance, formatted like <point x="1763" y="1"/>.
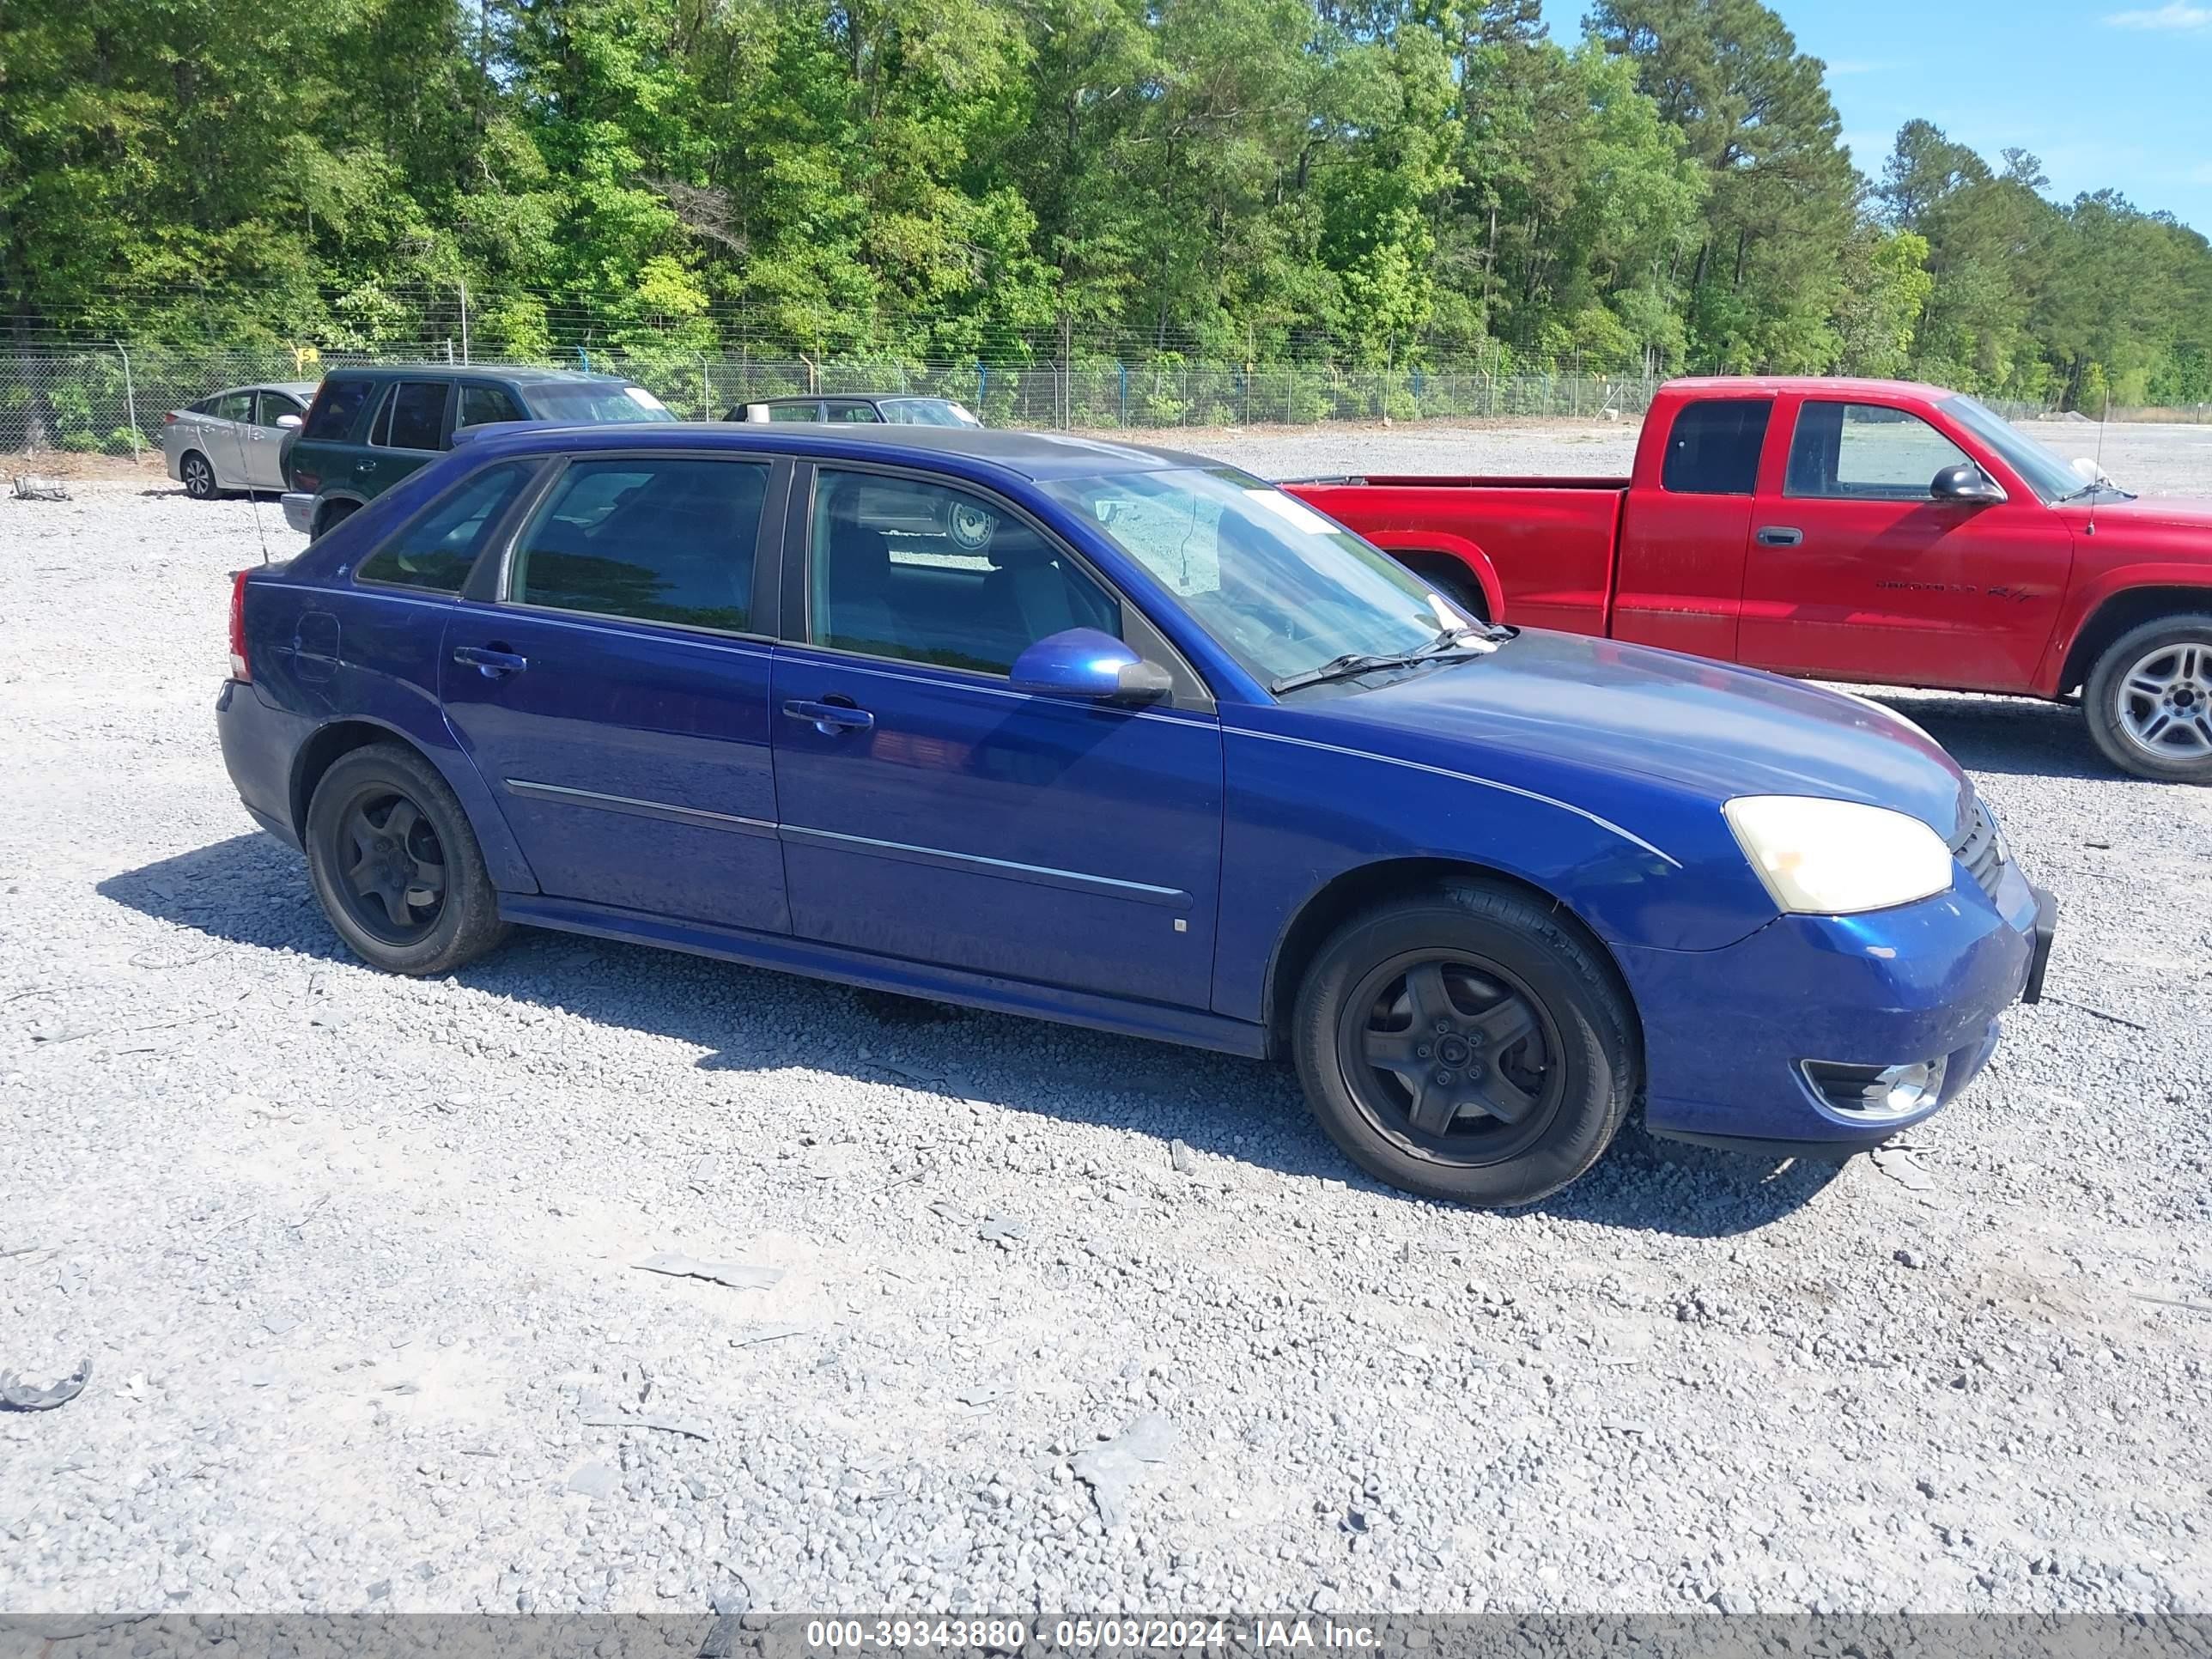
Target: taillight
<point x="239" y="668"/>
<point x="306" y="484"/>
<point x="169" y="419"/>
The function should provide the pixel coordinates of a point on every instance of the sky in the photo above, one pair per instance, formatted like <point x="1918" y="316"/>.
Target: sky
<point x="2109" y="93"/>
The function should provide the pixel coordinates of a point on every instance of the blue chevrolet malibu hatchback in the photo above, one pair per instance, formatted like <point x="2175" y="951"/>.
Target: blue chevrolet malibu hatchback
<point x="1124" y="738"/>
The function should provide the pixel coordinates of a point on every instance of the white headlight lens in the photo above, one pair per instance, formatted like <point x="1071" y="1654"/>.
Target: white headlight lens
<point x="1833" y="857"/>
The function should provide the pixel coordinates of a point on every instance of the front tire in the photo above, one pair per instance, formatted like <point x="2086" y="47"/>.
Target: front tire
<point x="1466" y="1045"/>
<point x="197" y="474"/>
<point x="397" y="866"/>
<point x="2149" y="701"/>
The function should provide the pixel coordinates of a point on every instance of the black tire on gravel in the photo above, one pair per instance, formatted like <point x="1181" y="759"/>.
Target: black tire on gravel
<point x="2149" y="701"/>
<point x="1512" y="1043"/>
<point x="396" y="864"/>
<point x="197" y="473"/>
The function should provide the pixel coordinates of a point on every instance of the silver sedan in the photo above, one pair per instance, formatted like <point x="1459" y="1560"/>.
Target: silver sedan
<point x="233" y="441"/>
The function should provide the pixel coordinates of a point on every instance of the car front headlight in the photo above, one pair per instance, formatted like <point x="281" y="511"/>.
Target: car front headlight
<point x="1833" y="857"/>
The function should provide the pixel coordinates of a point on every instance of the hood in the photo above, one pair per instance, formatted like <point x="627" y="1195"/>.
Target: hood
<point x="2150" y="513"/>
<point x="1608" y="707"/>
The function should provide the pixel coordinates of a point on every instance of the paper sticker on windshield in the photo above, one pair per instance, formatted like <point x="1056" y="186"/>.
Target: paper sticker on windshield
<point x="1288" y="506"/>
<point x="644" y="400"/>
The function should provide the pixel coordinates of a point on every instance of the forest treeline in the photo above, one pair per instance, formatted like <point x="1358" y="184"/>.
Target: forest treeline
<point x="1381" y="182"/>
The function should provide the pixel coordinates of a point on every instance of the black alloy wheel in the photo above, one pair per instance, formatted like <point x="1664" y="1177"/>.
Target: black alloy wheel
<point x="1450" y="1055"/>
<point x="391" y="864"/>
<point x="396" y="864"/>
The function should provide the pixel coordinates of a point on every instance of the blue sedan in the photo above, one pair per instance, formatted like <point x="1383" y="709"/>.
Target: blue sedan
<point x="1128" y="738"/>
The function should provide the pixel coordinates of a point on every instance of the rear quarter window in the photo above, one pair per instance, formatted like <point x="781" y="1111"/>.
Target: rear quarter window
<point x="435" y="550"/>
<point x="1713" y="449"/>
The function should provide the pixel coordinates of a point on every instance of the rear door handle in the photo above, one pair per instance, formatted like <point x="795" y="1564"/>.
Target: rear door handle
<point x="830" y="718"/>
<point x="1779" y="535"/>
<point x="491" y="663"/>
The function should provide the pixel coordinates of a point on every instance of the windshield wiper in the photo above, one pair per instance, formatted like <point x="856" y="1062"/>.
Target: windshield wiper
<point x="1473" y="642"/>
<point x="2092" y="488"/>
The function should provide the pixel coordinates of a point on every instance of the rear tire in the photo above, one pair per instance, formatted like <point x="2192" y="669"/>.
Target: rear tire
<point x="396" y="864"/>
<point x="197" y="474"/>
<point x="1466" y="1044"/>
<point x="2149" y="701"/>
<point x="333" y="514"/>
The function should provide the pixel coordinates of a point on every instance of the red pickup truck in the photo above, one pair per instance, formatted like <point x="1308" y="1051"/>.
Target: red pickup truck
<point x="1850" y="529"/>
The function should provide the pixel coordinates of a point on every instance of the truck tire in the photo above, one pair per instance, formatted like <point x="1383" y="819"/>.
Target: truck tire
<point x="1466" y="1044"/>
<point x="333" y="514"/>
<point x="2149" y="701"/>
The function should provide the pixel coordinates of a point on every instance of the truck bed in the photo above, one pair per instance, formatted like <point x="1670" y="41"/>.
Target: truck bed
<point x="1542" y="549"/>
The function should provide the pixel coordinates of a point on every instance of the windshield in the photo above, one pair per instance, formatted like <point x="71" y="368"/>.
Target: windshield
<point x="604" y="404"/>
<point x="926" y="411"/>
<point x="2053" y="479"/>
<point x="1282" y="588"/>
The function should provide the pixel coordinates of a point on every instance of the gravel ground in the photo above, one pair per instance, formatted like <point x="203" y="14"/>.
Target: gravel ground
<point x="356" y="1259"/>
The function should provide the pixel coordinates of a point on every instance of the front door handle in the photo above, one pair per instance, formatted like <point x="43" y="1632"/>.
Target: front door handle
<point x="830" y="718"/>
<point x="491" y="661"/>
<point x="1779" y="535"/>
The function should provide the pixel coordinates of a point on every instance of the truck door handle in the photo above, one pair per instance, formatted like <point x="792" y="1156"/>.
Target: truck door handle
<point x="491" y="661"/>
<point x="1779" y="535"/>
<point x="830" y="718"/>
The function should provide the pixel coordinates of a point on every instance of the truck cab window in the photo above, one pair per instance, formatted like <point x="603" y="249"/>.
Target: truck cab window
<point x="1713" y="449"/>
<point x="1865" y="453"/>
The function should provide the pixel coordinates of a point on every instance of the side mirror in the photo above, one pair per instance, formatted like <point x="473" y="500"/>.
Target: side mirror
<point x="1966" y="483"/>
<point x="289" y="423"/>
<point x="1083" y="662"/>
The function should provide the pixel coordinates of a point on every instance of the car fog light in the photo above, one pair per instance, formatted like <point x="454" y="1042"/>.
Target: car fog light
<point x="1870" y="1093"/>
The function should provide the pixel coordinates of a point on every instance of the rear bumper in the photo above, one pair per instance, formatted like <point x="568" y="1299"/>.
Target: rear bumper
<point x="299" y="511"/>
<point x="259" y="745"/>
<point x="1726" y="1031"/>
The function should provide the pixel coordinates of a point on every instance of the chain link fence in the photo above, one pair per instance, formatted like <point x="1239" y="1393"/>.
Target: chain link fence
<point x="110" y="398"/>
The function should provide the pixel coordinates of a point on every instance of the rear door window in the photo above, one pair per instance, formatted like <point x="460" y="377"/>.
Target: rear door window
<point x="847" y="409"/>
<point x="337" y="407"/>
<point x="653" y="538"/>
<point x="235" y="406"/>
<point x="415" y="418"/>
<point x="482" y="404"/>
<point x="436" y="550"/>
<point x="794" y="411"/>
<point x="1714" y="448"/>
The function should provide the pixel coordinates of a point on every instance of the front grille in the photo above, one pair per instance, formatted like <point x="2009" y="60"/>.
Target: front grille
<point x="1978" y="846"/>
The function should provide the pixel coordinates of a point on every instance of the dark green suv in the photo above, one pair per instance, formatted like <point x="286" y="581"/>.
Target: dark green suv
<point x="369" y="428"/>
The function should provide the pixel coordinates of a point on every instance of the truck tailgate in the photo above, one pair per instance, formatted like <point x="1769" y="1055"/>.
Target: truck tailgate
<point x="1542" y="547"/>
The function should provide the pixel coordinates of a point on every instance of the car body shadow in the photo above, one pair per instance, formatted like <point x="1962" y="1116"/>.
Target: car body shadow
<point x="253" y="890"/>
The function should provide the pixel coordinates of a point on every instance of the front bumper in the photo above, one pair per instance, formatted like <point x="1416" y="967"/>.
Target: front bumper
<point x="1726" y="1031"/>
<point x="300" y="512"/>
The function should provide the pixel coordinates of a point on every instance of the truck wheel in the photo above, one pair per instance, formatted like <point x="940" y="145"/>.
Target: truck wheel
<point x="2149" y="700"/>
<point x="333" y="514"/>
<point x="392" y="859"/>
<point x="1465" y="1045"/>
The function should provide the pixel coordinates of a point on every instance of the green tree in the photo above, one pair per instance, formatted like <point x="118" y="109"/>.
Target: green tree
<point x="1764" y="283"/>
